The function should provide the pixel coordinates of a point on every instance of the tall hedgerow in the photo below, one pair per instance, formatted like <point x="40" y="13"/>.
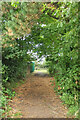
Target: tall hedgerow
<point x="16" y="22"/>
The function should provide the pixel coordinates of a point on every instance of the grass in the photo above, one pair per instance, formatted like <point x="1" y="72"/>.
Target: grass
<point x="41" y="70"/>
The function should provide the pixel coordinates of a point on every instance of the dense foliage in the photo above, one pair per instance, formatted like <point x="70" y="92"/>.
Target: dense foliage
<point x="17" y="20"/>
<point x="57" y="39"/>
<point x="54" y="35"/>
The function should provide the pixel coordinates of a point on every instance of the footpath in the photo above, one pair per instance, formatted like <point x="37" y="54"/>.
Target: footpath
<point x="36" y="99"/>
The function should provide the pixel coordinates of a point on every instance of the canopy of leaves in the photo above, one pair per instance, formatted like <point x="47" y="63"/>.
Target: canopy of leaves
<point x="16" y="22"/>
<point x="16" y="25"/>
<point x="54" y="34"/>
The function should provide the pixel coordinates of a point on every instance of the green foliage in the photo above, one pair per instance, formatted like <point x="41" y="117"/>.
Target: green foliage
<point x="65" y="54"/>
<point x="15" y="4"/>
<point x="3" y="104"/>
<point x="58" y="41"/>
<point x="17" y="20"/>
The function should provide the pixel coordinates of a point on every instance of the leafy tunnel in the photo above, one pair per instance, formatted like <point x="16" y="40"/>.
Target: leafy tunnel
<point x="50" y="30"/>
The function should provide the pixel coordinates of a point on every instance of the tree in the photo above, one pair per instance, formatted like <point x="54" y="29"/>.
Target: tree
<point x="17" y="20"/>
<point x="58" y="41"/>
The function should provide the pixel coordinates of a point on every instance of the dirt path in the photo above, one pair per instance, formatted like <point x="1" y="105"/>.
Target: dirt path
<point x="36" y="99"/>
